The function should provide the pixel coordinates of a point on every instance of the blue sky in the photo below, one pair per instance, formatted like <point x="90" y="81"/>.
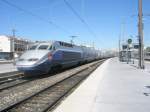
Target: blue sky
<point x="103" y="16"/>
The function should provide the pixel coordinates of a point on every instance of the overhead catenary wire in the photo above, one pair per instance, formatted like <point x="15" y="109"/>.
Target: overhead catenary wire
<point x="81" y="19"/>
<point x="34" y="15"/>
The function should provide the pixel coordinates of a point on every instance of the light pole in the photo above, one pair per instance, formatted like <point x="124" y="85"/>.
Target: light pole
<point x="140" y="35"/>
<point x="13" y="37"/>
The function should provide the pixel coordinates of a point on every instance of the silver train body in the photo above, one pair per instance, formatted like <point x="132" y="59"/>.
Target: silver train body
<point x="42" y="57"/>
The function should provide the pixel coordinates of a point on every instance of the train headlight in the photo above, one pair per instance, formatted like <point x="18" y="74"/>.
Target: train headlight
<point x="33" y="59"/>
<point x="50" y="56"/>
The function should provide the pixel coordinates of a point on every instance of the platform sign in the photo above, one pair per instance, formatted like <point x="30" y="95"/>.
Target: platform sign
<point x="129" y="41"/>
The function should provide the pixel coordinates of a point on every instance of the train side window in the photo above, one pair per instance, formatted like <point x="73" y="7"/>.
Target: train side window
<point x="54" y="48"/>
<point x="60" y="43"/>
<point x="50" y="48"/>
<point x="65" y="44"/>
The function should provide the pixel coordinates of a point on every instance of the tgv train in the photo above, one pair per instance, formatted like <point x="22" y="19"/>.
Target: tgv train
<point x="42" y="57"/>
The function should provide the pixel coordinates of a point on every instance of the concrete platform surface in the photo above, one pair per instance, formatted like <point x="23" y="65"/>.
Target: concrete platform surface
<point x="113" y="87"/>
<point x="7" y="68"/>
<point x="146" y="63"/>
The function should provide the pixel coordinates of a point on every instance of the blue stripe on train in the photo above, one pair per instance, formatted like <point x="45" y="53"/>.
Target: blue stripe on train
<point x="58" y="55"/>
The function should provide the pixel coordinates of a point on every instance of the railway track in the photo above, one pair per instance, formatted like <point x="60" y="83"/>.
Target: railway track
<point x="11" y="79"/>
<point x="46" y="93"/>
<point x="13" y="83"/>
<point x="6" y="77"/>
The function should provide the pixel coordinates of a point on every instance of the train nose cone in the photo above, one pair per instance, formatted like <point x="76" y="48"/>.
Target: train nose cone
<point x="29" y="58"/>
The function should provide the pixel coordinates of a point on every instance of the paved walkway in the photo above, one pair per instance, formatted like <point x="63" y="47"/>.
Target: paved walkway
<point x="146" y="63"/>
<point x="7" y="68"/>
<point x="113" y="87"/>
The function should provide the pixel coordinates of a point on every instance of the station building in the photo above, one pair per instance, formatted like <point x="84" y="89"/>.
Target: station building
<point x="11" y="47"/>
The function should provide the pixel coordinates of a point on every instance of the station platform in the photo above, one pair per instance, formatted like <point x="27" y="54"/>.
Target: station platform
<point x="113" y="87"/>
<point x="4" y="68"/>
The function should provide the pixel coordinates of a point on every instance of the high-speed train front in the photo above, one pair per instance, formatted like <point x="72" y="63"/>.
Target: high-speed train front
<point x="44" y="57"/>
<point x="36" y="60"/>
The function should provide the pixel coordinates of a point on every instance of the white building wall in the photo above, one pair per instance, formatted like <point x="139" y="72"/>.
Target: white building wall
<point x="5" y="44"/>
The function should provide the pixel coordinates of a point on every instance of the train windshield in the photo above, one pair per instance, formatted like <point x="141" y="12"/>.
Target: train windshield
<point x="43" y="47"/>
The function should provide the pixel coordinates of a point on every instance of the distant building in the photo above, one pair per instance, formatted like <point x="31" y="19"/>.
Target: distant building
<point x="11" y="47"/>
